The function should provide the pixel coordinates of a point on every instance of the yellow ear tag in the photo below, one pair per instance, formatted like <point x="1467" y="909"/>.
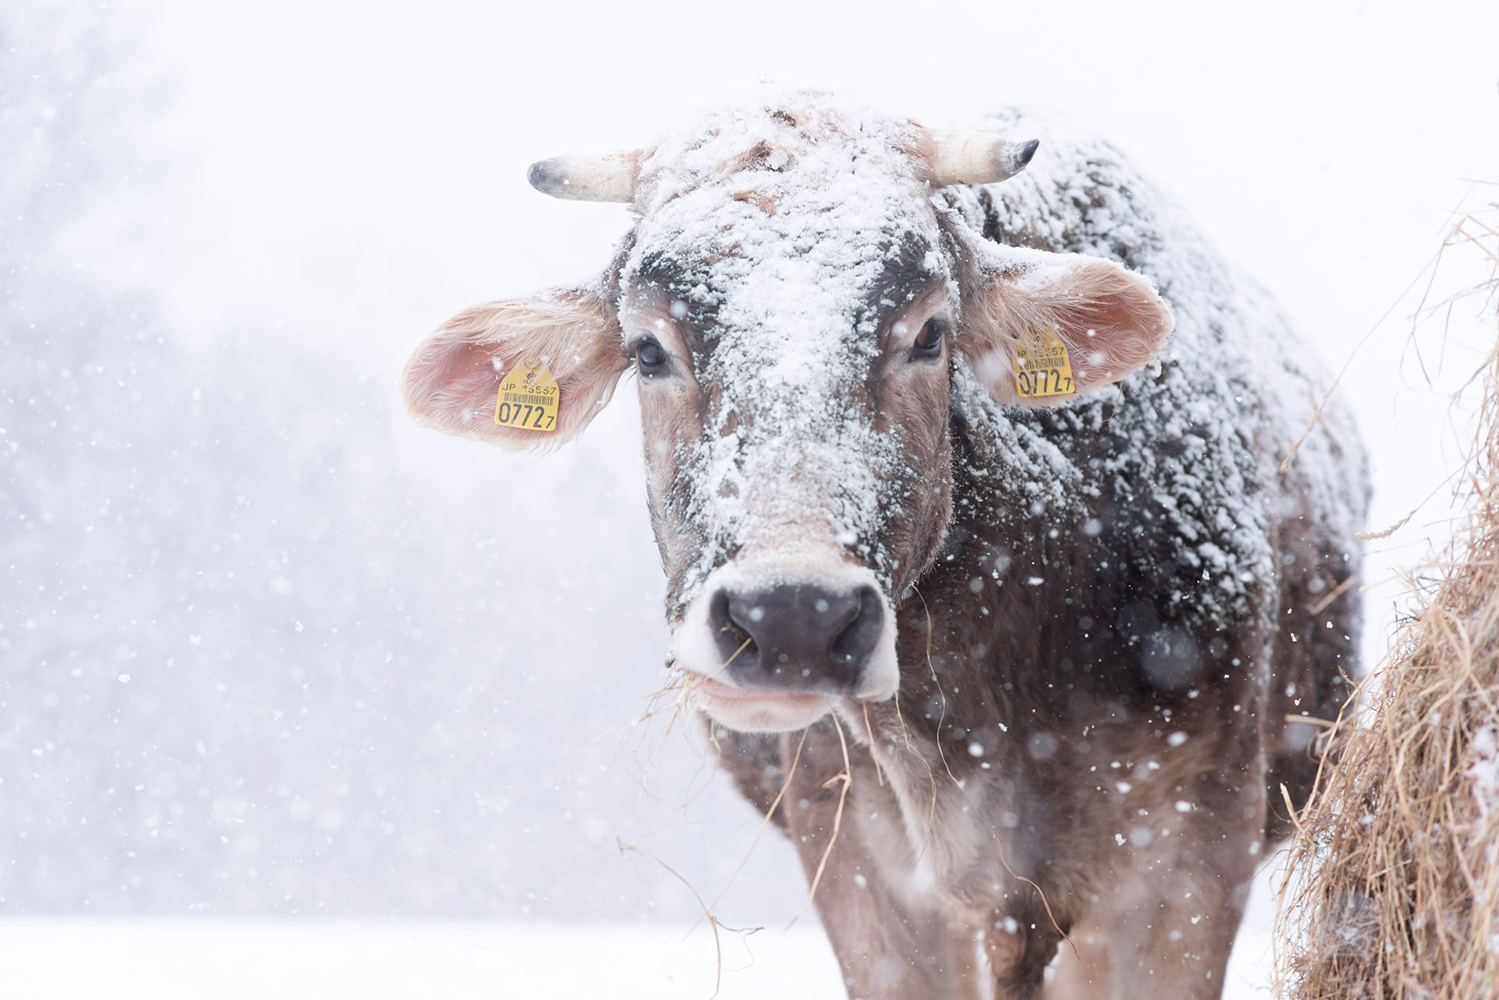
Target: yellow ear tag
<point x="1043" y="367"/>
<point x="528" y="398"/>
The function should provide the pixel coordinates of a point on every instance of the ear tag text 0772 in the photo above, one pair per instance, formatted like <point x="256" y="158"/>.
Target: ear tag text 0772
<point x="1043" y="367"/>
<point x="527" y="398"/>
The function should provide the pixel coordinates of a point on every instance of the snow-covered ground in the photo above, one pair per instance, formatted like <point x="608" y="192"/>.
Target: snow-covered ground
<point x="303" y="959"/>
<point x="169" y="958"/>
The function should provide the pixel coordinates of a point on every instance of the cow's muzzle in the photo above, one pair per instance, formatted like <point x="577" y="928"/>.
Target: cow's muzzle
<point x="776" y="642"/>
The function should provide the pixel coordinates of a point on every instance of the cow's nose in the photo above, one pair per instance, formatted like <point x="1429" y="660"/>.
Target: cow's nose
<point x="797" y="637"/>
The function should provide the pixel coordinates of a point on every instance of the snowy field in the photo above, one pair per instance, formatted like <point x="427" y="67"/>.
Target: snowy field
<point x="234" y="959"/>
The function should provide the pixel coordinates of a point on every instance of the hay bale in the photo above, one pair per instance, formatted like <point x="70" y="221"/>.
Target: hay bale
<point x="1392" y="888"/>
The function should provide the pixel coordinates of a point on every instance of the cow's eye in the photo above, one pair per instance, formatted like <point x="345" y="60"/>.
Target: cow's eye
<point x="650" y="357"/>
<point x="928" y="343"/>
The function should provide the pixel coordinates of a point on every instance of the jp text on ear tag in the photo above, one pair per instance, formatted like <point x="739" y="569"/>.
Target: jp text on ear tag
<point x="528" y="398"/>
<point x="1043" y="367"/>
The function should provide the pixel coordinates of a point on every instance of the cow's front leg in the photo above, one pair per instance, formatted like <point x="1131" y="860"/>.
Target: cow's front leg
<point x="1020" y="945"/>
<point x="888" y="945"/>
<point x="1177" y="946"/>
<point x="1166" y="928"/>
<point x="1190" y="927"/>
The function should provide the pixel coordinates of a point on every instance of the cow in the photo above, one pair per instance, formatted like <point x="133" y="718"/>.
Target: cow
<point x="1009" y="546"/>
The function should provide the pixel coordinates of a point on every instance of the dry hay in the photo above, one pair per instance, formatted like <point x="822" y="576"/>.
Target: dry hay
<point x="1392" y="885"/>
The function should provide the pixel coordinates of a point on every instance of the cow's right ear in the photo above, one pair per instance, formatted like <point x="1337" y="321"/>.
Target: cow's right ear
<point x="453" y="379"/>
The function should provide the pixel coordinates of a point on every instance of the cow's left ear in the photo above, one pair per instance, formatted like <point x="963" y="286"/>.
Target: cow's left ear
<point x="1042" y="328"/>
<point x="453" y="380"/>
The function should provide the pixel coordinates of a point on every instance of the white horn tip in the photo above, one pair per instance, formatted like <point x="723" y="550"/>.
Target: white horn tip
<point x="977" y="158"/>
<point x="610" y="177"/>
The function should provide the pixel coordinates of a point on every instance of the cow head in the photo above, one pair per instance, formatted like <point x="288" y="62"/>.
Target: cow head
<point x="796" y="305"/>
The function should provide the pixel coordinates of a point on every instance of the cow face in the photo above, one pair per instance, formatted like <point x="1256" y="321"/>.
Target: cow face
<point x="796" y="306"/>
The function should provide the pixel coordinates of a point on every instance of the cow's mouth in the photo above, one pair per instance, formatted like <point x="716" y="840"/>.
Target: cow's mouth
<point x="759" y="710"/>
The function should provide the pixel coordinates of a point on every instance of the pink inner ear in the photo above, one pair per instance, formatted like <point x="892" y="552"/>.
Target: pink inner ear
<point x="1118" y="325"/>
<point x="467" y="364"/>
<point x="449" y="381"/>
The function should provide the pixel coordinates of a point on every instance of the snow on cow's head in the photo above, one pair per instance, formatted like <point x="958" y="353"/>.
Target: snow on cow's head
<point x="795" y="303"/>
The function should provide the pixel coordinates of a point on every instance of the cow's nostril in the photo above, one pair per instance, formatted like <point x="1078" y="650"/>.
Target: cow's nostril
<point x="857" y="640"/>
<point x="734" y="640"/>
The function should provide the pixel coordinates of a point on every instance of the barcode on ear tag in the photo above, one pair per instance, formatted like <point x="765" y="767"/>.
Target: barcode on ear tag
<point x="1043" y="366"/>
<point x="528" y="398"/>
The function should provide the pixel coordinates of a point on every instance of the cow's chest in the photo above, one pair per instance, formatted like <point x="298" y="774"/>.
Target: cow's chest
<point x="957" y="839"/>
<point x="937" y="840"/>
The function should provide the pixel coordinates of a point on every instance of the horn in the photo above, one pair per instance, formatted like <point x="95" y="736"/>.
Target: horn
<point x="975" y="157"/>
<point x="602" y="177"/>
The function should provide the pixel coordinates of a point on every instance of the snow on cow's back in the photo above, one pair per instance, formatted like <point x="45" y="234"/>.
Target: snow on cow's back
<point x="1192" y="444"/>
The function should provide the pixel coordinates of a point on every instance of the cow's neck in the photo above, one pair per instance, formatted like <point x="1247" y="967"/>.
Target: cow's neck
<point x="976" y="644"/>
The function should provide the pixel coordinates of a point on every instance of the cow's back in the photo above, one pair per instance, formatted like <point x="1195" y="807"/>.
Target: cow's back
<point x="1188" y="453"/>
